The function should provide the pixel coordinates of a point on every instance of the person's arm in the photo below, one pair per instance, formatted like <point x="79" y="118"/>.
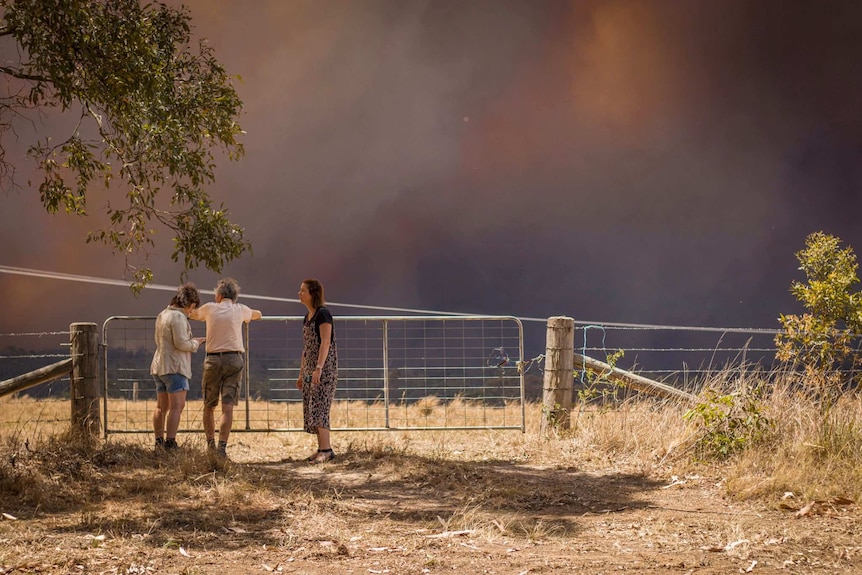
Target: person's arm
<point x="249" y="314"/>
<point x="325" y="342"/>
<point x="196" y="313"/>
<point x="156" y="332"/>
<point x="181" y="333"/>
<point x="301" y="363"/>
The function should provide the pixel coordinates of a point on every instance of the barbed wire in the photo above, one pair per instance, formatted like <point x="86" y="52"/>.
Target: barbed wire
<point x="684" y="349"/>
<point x="660" y="327"/>
<point x="583" y="370"/>
<point x="34" y="356"/>
<point x="34" y="333"/>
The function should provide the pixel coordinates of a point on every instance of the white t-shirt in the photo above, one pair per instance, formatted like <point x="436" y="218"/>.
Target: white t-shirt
<point x="224" y="324"/>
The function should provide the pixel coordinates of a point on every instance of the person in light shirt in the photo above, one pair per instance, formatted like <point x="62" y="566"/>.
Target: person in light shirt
<point x="172" y="364"/>
<point x="225" y="358"/>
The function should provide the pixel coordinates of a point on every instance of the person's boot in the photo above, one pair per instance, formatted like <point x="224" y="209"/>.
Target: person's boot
<point x="222" y="449"/>
<point x="170" y="444"/>
<point x="211" y="444"/>
<point x="160" y="443"/>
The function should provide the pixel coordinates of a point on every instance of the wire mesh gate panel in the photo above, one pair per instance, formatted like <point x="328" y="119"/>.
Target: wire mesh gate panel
<point x="394" y="372"/>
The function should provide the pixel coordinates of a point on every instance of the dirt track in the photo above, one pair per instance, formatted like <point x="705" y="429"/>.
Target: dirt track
<point x="368" y="513"/>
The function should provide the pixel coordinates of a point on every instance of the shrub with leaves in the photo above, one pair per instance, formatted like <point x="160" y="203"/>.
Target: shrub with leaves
<point x="820" y="341"/>
<point x="730" y="423"/>
<point x="596" y="386"/>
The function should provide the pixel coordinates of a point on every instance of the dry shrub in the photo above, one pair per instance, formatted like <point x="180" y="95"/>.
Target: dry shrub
<point x="642" y="432"/>
<point x="815" y="451"/>
<point x="47" y="472"/>
<point x="71" y="471"/>
<point x="427" y="405"/>
<point x="729" y="416"/>
<point x="791" y="441"/>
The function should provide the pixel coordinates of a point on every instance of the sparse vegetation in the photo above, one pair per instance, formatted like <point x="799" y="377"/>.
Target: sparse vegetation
<point x="596" y="387"/>
<point x="453" y="501"/>
<point x="731" y="422"/>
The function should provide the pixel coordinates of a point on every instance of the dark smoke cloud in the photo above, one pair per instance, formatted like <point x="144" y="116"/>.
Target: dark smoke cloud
<point x="610" y="160"/>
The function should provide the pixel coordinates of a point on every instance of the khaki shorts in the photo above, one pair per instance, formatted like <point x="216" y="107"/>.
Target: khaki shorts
<point x="222" y="377"/>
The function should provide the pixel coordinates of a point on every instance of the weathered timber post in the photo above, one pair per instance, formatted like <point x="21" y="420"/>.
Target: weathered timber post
<point x="632" y="380"/>
<point x="37" y="376"/>
<point x="84" y="385"/>
<point x="559" y="374"/>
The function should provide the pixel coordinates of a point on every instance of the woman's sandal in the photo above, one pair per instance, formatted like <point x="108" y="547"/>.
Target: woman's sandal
<point x="323" y="455"/>
<point x="313" y="456"/>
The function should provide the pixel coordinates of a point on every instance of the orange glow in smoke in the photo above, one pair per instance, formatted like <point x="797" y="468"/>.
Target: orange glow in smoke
<point x="611" y="80"/>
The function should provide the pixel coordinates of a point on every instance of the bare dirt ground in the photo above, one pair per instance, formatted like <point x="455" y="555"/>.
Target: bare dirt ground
<point x="484" y="503"/>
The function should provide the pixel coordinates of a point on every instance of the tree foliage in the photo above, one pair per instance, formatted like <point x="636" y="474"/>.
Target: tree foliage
<point x="150" y="114"/>
<point x="821" y="340"/>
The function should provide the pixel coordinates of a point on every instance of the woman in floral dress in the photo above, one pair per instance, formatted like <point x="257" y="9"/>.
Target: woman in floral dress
<point x="318" y="373"/>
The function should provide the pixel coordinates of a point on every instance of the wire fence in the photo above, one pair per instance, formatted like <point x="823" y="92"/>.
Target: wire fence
<point x="21" y="353"/>
<point x="682" y="356"/>
<point x="395" y="372"/>
<point x="464" y="370"/>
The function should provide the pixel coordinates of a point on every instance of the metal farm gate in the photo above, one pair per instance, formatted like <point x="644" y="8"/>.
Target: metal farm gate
<point x="395" y="372"/>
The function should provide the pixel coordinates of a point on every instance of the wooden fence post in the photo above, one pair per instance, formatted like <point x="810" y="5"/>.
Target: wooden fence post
<point x="84" y="384"/>
<point x="559" y="374"/>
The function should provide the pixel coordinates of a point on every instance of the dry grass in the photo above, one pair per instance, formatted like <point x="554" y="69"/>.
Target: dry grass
<point x="620" y="481"/>
<point x="813" y="452"/>
<point x="27" y="417"/>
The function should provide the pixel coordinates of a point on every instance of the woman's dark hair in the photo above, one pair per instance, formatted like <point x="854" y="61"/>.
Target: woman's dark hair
<point x="315" y="290"/>
<point x="187" y="294"/>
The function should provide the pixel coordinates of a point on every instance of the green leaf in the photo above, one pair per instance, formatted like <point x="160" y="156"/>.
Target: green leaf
<point x="152" y="110"/>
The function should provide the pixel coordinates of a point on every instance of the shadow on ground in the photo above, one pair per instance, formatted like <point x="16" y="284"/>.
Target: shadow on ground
<point x="130" y="492"/>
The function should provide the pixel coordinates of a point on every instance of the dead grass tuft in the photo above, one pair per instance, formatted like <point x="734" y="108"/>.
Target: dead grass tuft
<point x="812" y="452"/>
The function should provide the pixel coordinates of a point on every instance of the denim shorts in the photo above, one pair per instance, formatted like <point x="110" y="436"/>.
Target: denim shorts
<point x="171" y="383"/>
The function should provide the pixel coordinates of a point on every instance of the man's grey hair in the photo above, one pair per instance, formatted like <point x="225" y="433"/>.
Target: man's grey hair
<point x="227" y="288"/>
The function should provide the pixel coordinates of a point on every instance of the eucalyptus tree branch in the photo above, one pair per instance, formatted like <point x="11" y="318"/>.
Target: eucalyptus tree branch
<point x="160" y="109"/>
<point x="15" y="73"/>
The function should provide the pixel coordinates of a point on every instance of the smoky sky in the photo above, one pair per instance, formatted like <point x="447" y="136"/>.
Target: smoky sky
<point x="625" y="161"/>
